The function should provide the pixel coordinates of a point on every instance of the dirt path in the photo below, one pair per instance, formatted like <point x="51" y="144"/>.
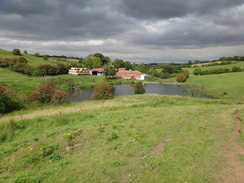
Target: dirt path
<point x="234" y="169"/>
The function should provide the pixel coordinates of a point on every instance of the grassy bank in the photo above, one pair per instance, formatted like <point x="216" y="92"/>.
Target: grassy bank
<point x="225" y="86"/>
<point x="147" y="138"/>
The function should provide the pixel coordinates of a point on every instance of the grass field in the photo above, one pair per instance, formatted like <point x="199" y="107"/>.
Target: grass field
<point x="229" y="66"/>
<point x="147" y="138"/>
<point x="35" y="61"/>
<point x="140" y="138"/>
<point x="226" y="86"/>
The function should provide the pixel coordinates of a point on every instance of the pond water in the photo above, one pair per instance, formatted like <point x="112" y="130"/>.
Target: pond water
<point x="127" y="89"/>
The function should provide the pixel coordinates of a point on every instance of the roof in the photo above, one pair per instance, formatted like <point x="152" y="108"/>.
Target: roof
<point x="128" y="72"/>
<point x="98" y="69"/>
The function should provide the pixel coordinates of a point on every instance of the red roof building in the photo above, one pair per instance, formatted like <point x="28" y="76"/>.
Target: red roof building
<point x="128" y="74"/>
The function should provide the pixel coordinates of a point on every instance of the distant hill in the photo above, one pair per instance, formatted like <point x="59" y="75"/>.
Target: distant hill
<point x="34" y="60"/>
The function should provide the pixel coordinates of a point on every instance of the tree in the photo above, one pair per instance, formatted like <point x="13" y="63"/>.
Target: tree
<point x="139" y="88"/>
<point x="16" y="52"/>
<point x="96" y="62"/>
<point x="45" y="57"/>
<point x="109" y="71"/>
<point x="127" y="65"/>
<point x="197" y="71"/>
<point x="25" y="52"/>
<point x="103" y="92"/>
<point x="104" y="60"/>
<point x="37" y="54"/>
<point x="118" y="63"/>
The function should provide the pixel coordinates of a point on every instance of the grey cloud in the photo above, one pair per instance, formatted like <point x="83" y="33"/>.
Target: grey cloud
<point x="135" y="27"/>
<point x="158" y="9"/>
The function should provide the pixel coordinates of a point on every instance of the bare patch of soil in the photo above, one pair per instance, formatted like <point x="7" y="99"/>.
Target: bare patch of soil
<point x="234" y="169"/>
<point x="160" y="147"/>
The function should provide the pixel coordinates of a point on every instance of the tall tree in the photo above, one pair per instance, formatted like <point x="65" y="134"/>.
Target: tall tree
<point x="118" y="63"/>
<point x="109" y="71"/>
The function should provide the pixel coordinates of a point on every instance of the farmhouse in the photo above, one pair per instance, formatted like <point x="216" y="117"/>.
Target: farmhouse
<point x="128" y="74"/>
<point x="79" y="71"/>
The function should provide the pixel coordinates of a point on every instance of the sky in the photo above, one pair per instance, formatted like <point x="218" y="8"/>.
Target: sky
<point x="141" y="31"/>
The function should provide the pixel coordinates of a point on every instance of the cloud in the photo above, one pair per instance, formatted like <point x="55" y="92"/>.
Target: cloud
<point x="130" y="29"/>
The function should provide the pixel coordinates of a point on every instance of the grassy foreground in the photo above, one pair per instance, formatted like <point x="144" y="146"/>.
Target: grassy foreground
<point x="142" y="138"/>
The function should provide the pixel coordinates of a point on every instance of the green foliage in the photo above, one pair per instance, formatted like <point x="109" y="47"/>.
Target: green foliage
<point x="103" y="91"/>
<point x="113" y="136"/>
<point x="109" y="71"/>
<point x="45" y="57"/>
<point x="139" y="88"/>
<point x="118" y="63"/>
<point x="16" y="52"/>
<point x="25" y="52"/>
<point x="37" y="54"/>
<point x="8" y="103"/>
<point x="170" y="68"/>
<point x="197" y="71"/>
<point x="236" y="69"/>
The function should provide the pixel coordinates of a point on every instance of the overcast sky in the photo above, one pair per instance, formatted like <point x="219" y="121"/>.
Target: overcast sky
<point x="134" y="30"/>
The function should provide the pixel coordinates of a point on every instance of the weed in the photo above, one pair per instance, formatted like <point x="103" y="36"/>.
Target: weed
<point x="54" y="157"/>
<point x="113" y="136"/>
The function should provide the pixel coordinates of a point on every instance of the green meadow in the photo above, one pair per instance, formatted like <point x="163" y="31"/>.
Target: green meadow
<point x="36" y="61"/>
<point x="140" y="138"/>
<point x="228" y="66"/>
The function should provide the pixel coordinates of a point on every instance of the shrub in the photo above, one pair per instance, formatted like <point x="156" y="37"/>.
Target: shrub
<point x="16" y="52"/>
<point x="59" y="97"/>
<point x="45" y="57"/>
<point x="236" y="69"/>
<point x="7" y="101"/>
<point x="139" y="88"/>
<point x="48" y="93"/>
<point x="103" y="92"/>
<point x="197" y="71"/>
<point x="182" y="76"/>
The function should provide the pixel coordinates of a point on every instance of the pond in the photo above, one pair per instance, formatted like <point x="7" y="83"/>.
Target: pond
<point x="127" y="89"/>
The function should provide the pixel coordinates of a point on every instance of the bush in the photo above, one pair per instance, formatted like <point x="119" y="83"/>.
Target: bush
<point x="197" y="71"/>
<point x="139" y="88"/>
<point x="16" y="52"/>
<point x="236" y="69"/>
<point x="7" y="101"/>
<point x="103" y="92"/>
<point x="45" y="57"/>
<point x="48" y="93"/>
<point x="182" y="76"/>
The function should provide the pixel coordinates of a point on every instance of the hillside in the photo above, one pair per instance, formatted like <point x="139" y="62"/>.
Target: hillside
<point x="139" y="138"/>
<point x="144" y="138"/>
<point x="36" y="61"/>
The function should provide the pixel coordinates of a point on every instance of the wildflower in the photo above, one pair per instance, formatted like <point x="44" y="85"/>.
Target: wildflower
<point x="206" y="121"/>
<point x="30" y="148"/>
<point x="60" y="111"/>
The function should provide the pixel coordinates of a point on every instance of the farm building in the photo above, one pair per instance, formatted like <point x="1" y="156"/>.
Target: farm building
<point x="97" y="72"/>
<point x="125" y="74"/>
<point x="79" y="71"/>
